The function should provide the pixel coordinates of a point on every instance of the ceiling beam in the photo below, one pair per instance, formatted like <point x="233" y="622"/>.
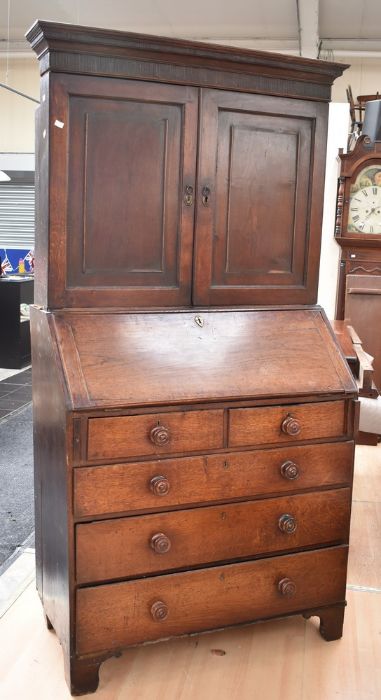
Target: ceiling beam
<point x="308" y="27"/>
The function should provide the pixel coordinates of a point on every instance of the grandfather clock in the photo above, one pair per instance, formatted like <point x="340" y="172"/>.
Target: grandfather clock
<point x="358" y="232"/>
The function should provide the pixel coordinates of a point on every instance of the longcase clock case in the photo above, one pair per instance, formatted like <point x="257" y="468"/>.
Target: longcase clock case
<point x="184" y="382"/>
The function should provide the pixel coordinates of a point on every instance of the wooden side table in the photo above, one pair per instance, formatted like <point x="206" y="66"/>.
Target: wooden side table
<point x="362" y="368"/>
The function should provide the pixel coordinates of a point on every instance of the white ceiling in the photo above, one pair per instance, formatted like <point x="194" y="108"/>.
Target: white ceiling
<point x="344" y="26"/>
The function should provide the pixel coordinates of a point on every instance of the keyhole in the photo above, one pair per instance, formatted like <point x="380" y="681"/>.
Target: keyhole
<point x="205" y="196"/>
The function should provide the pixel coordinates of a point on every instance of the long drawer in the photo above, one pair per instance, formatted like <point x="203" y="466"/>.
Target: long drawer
<point x="190" y="480"/>
<point x="117" y="615"/>
<point x="152" y="434"/>
<point x="272" y="424"/>
<point x="135" y="546"/>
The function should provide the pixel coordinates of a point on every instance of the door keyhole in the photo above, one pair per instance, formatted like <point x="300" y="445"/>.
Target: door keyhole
<point x="205" y="196"/>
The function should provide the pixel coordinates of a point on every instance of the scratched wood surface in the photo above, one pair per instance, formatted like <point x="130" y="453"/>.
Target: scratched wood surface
<point x="224" y="665"/>
<point x="138" y="359"/>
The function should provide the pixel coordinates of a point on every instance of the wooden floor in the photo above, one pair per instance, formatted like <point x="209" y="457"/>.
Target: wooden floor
<point x="282" y="660"/>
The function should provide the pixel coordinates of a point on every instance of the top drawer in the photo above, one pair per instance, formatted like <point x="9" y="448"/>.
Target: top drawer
<point x="277" y="424"/>
<point x="153" y="434"/>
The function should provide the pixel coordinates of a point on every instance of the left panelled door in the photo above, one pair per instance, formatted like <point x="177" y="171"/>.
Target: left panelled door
<point x="126" y="158"/>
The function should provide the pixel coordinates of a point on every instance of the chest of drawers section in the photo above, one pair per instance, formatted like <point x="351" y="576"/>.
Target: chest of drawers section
<point x="198" y="519"/>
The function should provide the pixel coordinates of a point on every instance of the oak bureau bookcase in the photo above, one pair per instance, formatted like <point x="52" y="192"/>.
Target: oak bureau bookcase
<point x="193" y="414"/>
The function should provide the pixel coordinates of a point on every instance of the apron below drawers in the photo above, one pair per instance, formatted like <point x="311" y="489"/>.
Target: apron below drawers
<point x="117" y="615"/>
<point x="140" y="545"/>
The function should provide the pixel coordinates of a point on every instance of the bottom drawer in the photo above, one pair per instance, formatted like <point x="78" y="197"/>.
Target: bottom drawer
<point x="121" y="614"/>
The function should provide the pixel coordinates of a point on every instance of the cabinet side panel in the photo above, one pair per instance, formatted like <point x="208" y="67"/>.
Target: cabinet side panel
<point x="51" y="485"/>
<point x="42" y="195"/>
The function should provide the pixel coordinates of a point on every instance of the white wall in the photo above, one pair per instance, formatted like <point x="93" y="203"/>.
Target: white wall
<point x="17" y="113"/>
<point x="330" y="250"/>
<point x="364" y="77"/>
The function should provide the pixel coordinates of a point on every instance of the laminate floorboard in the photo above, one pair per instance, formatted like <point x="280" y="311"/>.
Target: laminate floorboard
<point x="282" y="659"/>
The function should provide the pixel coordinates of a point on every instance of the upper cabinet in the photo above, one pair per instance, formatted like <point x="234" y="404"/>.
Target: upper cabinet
<point x="183" y="174"/>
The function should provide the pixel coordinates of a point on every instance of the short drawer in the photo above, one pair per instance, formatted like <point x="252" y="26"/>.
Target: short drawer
<point x="149" y="434"/>
<point x="166" y="483"/>
<point x="117" y="615"/>
<point x="135" y="546"/>
<point x="272" y="424"/>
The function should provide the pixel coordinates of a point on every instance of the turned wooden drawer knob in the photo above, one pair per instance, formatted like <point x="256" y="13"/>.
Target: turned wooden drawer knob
<point x="287" y="587"/>
<point x="160" y="543"/>
<point x="287" y="524"/>
<point x="160" y="435"/>
<point x="291" y="426"/>
<point x="159" y="611"/>
<point x="159" y="485"/>
<point x="289" y="470"/>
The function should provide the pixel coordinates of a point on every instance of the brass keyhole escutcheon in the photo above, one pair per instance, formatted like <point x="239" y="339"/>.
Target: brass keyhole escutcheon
<point x="199" y="320"/>
<point x="188" y="196"/>
<point x="205" y="196"/>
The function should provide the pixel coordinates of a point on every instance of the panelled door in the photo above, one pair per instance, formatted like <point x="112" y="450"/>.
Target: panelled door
<point x="258" y="227"/>
<point x="125" y="160"/>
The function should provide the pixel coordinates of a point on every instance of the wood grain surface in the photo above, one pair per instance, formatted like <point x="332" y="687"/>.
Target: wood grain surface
<point x="256" y="426"/>
<point x="126" y="488"/>
<point x="232" y="355"/>
<point x="115" y="615"/>
<point x="122" y="548"/>
<point x="129" y="436"/>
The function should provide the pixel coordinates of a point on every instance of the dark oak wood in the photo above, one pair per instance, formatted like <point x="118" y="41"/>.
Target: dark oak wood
<point x="136" y="546"/>
<point x="360" y="247"/>
<point x="258" y="426"/>
<point x="82" y="675"/>
<point x="132" y="142"/>
<point x="130" y="436"/>
<point x="190" y="480"/>
<point x="112" y="53"/>
<point x="131" y="145"/>
<point x="256" y="199"/>
<point x="235" y="354"/>
<point x="362" y="310"/>
<point x="113" y="616"/>
<point x="173" y="175"/>
<point x="331" y="621"/>
<point x="52" y="483"/>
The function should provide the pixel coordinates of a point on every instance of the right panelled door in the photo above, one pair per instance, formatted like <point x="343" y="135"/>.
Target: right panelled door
<point x="259" y="199"/>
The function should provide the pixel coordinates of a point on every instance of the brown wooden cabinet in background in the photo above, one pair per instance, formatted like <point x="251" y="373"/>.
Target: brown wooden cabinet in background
<point x="193" y="448"/>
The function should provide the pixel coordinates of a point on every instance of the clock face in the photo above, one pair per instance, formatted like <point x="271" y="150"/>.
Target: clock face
<point x="364" y="214"/>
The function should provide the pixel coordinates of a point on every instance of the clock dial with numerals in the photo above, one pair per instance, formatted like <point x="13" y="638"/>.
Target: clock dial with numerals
<point x="365" y="210"/>
<point x="364" y="214"/>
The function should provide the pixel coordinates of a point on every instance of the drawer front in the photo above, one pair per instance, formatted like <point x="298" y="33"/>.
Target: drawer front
<point x="272" y="424"/>
<point x="118" y="615"/>
<point x="135" y="546"/>
<point x="149" y="434"/>
<point x="174" y="482"/>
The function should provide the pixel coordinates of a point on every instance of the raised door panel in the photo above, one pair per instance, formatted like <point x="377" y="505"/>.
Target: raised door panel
<point x="130" y="159"/>
<point x="259" y="199"/>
